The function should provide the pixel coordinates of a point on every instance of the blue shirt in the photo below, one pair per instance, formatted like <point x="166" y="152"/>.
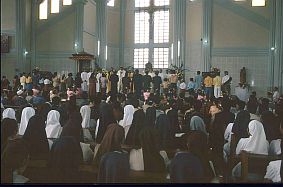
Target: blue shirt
<point x="191" y="85"/>
<point x="198" y="80"/>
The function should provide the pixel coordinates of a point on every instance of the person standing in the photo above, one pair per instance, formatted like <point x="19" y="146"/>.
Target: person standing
<point x="157" y="81"/>
<point x="276" y="95"/>
<point x="29" y="82"/>
<point x="104" y="82"/>
<point x="91" y="87"/>
<point x="16" y="83"/>
<point x="114" y="83"/>
<point x="70" y="80"/>
<point x="191" y="86"/>
<point x="126" y="83"/>
<point x="199" y="80"/>
<point x="85" y="80"/>
<point x="121" y="73"/>
<point x="56" y="81"/>
<point x="138" y="82"/>
<point x="217" y="85"/>
<point x="23" y="80"/>
<point x="47" y="83"/>
<point x="98" y="83"/>
<point x="173" y="80"/>
<point x="63" y="83"/>
<point x="78" y="83"/>
<point x="4" y="83"/>
<point x="146" y="81"/>
<point x="208" y="86"/>
<point x="226" y="81"/>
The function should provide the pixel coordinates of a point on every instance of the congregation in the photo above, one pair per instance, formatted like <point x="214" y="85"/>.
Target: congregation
<point x="123" y="121"/>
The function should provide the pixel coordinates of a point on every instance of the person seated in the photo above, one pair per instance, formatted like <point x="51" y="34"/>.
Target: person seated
<point x="148" y="157"/>
<point x="20" y="100"/>
<point x="73" y="128"/>
<point x="274" y="171"/>
<point x="111" y="142"/>
<point x="65" y="158"/>
<point x="256" y="143"/>
<point x="9" y="113"/>
<point x="192" y="165"/>
<point x="14" y="161"/>
<point x="9" y="129"/>
<point x="53" y="126"/>
<point x="276" y="145"/>
<point x="38" y="98"/>
<point x="36" y="139"/>
<point x="114" y="167"/>
<point x="85" y="113"/>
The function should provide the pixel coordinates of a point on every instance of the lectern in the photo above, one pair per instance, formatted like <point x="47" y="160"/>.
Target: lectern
<point x="83" y="61"/>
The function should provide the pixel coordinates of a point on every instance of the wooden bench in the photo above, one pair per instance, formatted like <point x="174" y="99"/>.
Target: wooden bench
<point x="38" y="170"/>
<point x="255" y="164"/>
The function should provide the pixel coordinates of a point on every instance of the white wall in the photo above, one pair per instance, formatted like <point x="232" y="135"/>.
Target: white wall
<point x="239" y="42"/>
<point x="55" y="44"/>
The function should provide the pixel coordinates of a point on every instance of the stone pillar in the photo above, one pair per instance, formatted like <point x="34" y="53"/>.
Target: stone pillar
<point x="123" y="5"/>
<point x="276" y="46"/>
<point x="179" y="30"/>
<point x="207" y="30"/>
<point x="20" y="35"/>
<point x="101" y="30"/>
<point x="79" y="24"/>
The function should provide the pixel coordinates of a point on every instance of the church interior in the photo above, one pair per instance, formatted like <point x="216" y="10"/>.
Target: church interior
<point x="141" y="91"/>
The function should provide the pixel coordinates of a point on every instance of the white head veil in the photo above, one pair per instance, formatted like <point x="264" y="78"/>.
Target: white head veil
<point x="128" y="118"/>
<point x="27" y="113"/>
<point x="9" y="113"/>
<point x="85" y="112"/>
<point x="257" y="142"/>
<point x="53" y="128"/>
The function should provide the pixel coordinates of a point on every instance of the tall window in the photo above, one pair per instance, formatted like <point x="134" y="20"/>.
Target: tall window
<point x="43" y="10"/>
<point x="152" y="33"/>
<point x="55" y="5"/>
<point x="111" y="3"/>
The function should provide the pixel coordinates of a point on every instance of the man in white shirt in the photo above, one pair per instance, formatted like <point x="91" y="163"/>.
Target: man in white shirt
<point x="98" y="76"/>
<point x="276" y="95"/>
<point x="88" y="75"/>
<point x="84" y="76"/>
<point x="121" y="73"/>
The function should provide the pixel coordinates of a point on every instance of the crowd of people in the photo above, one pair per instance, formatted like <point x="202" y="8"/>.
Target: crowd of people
<point x="122" y="121"/>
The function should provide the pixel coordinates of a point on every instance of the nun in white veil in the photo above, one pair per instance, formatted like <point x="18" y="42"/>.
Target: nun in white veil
<point x="85" y="113"/>
<point x="127" y="120"/>
<point x="27" y="113"/>
<point x="53" y="128"/>
<point x="9" y="113"/>
<point x="256" y="144"/>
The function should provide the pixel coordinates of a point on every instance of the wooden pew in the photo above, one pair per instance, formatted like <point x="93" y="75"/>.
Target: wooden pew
<point x="233" y="159"/>
<point x="254" y="164"/>
<point x="39" y="172"/>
